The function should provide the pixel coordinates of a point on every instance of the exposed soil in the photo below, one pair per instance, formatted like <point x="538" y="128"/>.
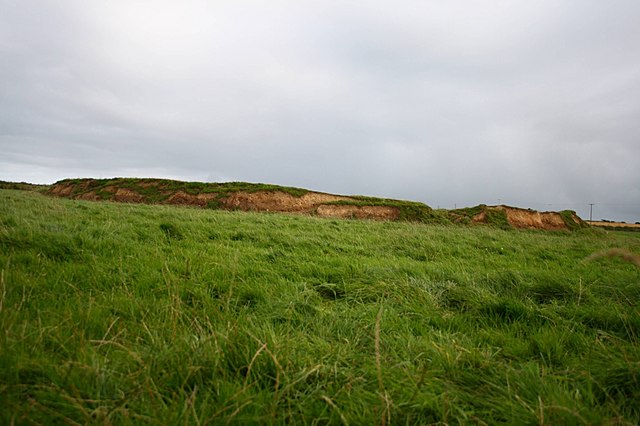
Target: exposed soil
<point x="520" y="218"/>
<point x="529" y="219"/>
<point x="310" y="203"/>
<point x="277" y="201"/>
<point x="359" y="212"/>
<point x="62" y="190"/>
<point x="124" y="195"/>
<point x="184" y="199"/>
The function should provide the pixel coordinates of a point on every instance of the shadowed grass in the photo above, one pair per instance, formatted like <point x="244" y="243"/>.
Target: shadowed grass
<point x="121" y="314"/>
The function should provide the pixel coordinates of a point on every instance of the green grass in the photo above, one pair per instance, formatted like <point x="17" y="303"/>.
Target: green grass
<point x="568" y="219"/>
<point x="136" y="314"/>
<point x="23" y="186"/>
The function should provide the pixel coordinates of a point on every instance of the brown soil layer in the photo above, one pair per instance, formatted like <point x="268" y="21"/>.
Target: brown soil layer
<point x="529" y="219"/>
<point x="520" y="218"/>
<point x="181" y="198"/>
<point x="277" y="201"/>
<point x="359" y="212"/>
<point x="125" y="195"/>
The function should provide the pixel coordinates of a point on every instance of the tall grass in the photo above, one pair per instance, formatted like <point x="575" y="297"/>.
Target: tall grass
<point x="127" y="314"/>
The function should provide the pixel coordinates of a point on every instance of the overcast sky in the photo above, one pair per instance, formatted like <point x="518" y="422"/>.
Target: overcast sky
<point x="453" y="103"/>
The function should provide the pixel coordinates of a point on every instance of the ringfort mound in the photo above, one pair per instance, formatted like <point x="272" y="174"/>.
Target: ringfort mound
<point x="272" y="198"/>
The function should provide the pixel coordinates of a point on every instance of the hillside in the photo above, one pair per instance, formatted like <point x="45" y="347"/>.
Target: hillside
<point x="120" y="314"/>
<point x="273" y="198"/>
<point x="241" y="196"/>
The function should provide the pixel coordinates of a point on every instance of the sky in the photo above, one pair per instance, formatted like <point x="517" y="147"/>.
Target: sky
<point x="534" y="104"/>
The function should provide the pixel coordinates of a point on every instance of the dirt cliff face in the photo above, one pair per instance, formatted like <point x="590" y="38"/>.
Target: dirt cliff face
<point x="530" y="219"/>
<point x="62" y="189"/>
<point x="359" y="212"/>
<point x="124" y="195"/>
<point x="278" y="201"/>
<point x="181" y="198"/>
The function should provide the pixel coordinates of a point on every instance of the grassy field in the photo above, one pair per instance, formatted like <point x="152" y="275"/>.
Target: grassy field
<point x="137" y="314"/>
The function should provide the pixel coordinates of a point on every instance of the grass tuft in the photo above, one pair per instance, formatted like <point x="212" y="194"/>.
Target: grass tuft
<point x="171" y="231"/>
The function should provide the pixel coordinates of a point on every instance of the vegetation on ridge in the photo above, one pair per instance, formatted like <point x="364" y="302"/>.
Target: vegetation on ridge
<point x="159" y="191"/>
<point x="22" y="186"/>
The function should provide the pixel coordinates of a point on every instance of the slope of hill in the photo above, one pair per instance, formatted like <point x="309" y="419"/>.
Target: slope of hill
<point x="273" y="198"/>
<point x="242" y="196"/>
<point x="121" y="314"/>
